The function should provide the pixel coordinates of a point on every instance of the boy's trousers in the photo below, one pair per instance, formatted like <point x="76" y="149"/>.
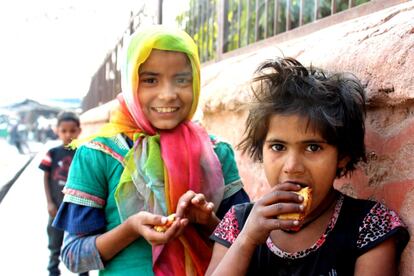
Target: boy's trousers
<point x="55" y="237"/>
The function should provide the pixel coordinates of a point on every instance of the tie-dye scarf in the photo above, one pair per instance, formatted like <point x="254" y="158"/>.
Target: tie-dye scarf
<point x="164" y="164"/>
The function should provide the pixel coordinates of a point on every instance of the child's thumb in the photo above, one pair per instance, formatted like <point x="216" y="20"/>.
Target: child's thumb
<point x="159" y="220"/>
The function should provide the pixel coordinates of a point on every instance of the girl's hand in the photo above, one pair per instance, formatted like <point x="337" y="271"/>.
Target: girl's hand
<point x="263" y="217"/>
<point x="143" y="224"/>
<point x="197" y="209"/>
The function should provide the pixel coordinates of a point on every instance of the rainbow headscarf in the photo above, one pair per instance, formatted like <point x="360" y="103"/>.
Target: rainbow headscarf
<point x="164" y="164"/>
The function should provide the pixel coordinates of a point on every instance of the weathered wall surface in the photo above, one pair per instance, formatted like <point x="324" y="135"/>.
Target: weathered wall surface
<point x="379" y="49"/>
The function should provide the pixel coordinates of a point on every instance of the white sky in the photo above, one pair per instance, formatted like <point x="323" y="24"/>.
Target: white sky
<point x="51" y="48"/>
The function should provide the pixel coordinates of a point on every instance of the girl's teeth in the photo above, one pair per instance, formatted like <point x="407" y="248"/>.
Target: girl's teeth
<point x="166" y="109"/>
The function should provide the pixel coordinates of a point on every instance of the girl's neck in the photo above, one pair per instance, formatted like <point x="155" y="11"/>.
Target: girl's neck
<point x="327" y="204"/>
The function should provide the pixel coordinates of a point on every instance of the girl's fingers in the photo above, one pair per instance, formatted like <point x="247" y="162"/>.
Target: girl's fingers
<point x="265" y="225"/>
<point x="273" y="210"/>
<point x="209" y="206"/>
<point x="147" y="221"/>
<point x="174" y="231"/>
<point x="198" y="199"/>
<point x="286" y="187"/>
<point x="146" y="218"/>
<point x="258" y="228"/>
<point x="281" y="195"/>
<point x="191" y="198"/>
<point x="155" y="237"/>
<point x="167" y="235"/>
<point x="184" y="201"/>
<point x="180" y="228"/>
<point x="154" y="220"/>
<point x="276" y="224"/>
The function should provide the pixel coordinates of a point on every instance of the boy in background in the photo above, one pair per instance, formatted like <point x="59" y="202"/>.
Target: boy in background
<point x="56" y="167"/>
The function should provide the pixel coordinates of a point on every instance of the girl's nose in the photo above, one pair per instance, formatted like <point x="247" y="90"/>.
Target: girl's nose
<point x="167" y="92"/>
<point x="293" y="164"/>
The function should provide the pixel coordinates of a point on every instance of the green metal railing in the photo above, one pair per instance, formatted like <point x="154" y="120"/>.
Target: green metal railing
<point x="220" y="26"/>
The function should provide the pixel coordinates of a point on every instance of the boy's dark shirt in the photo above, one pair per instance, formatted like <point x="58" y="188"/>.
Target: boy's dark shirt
<point x="57" y="162"/>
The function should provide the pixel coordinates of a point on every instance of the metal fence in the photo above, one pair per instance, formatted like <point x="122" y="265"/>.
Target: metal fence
<point x="220" y="26"/>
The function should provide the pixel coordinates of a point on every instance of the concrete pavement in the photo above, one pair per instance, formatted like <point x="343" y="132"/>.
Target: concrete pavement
<point x="23" y="220"/>
<point x="10" y="162"/>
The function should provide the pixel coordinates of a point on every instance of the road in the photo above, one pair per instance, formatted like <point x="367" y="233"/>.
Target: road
<point x="23" y="220"/>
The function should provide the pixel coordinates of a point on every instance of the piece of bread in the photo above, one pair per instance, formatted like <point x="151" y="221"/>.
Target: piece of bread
<point x="307" y="202"/>
<point x="163" y="228"/>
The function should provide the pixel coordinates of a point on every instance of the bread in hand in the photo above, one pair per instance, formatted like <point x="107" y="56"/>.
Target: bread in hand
<point x="306" y="193"/>
<point x="163" y="228"/>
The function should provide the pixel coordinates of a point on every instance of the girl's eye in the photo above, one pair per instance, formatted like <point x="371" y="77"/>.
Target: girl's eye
<point x="313" y="147"/>
<point x="184" y="81"/>
<point x="149" y="80"/>
<point x="277" y="147"/>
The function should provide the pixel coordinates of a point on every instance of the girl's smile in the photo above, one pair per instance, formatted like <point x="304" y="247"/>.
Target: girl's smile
<point x="165" y="88"/>
<point x="165" y="109"/>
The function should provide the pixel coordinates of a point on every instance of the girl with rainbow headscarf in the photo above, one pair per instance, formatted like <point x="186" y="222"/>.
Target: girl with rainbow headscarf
<point x="148" y="162"/>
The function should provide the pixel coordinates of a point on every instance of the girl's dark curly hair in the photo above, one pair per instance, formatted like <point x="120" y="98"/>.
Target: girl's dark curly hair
<point x="334" y="106"/>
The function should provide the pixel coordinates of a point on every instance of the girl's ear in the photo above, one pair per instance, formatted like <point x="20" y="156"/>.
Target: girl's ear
<point x="343" y="162"/>
<point x="341" y="166"/>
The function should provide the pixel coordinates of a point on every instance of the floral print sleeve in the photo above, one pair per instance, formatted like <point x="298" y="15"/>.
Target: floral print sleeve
<point x="227" y="230"/>
<point x="379" y="224"/>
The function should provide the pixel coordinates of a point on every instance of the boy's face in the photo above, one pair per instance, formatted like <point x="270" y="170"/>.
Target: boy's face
<point x="165" y="88"/>
<point x="67" y="131"/>
<point x="294" y="152"/>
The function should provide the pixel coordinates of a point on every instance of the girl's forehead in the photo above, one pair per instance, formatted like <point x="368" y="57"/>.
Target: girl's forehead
<point x="165" y="55"/>
<point x="164" y="62"/>
<point x="283" y="123"/>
